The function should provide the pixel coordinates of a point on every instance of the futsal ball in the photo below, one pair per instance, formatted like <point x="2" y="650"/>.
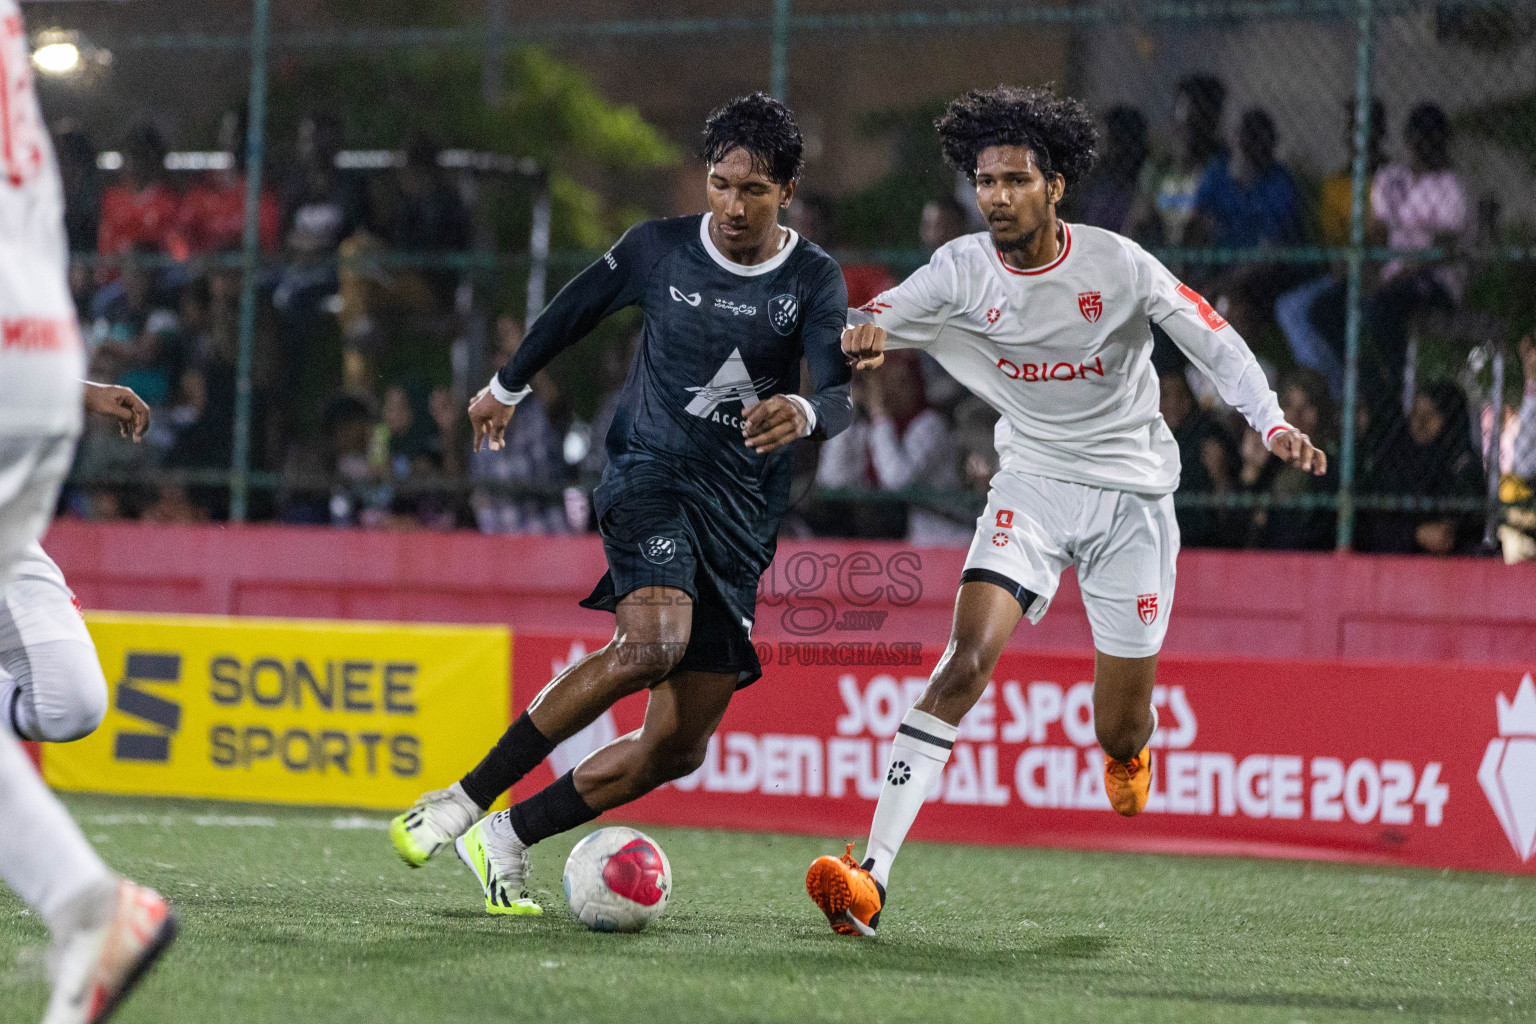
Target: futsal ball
<point x="617" y="880"/>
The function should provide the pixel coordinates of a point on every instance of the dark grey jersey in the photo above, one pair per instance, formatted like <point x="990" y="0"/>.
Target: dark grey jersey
<point x="718" y="338"/>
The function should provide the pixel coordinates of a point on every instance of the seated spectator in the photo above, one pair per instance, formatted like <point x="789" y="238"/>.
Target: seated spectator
<point x="531" y="458"/>
<point x="321" y="204"/>
<point x="358" y="464"/>
<point x="1167" y="201"/>
<point x="1428" y="455"/>
<point x="82" y="188"/>
<point x="202" y="425"/>
<point x="1423" y="203"/>
<point x="173" y="506"/>
<point x="1249" y="199"/>
<point x="1205" y="458"/>
<point x="212" y="213"/>
<point x="140" y="211"/>
<point x="1311" y="315"/>
<point x="1517" y="487"/>
<point x="428" y="216"/>
<point x="135" y="333"/>
<point x="1308" y="407"/>
<point x="897" y="442"/>
<point x="942" y="221"/>
<point x="1523" y="463"/>
<point x="1107" y="196"/>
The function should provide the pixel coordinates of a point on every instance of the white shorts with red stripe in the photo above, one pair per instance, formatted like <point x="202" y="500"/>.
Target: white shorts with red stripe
<point x="1124" y="546"/>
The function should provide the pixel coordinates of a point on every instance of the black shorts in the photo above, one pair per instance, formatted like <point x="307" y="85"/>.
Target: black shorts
<point x="668" y="538"/>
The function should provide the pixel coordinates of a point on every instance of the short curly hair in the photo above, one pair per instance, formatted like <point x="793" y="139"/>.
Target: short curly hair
<point x="763" y="127"/>
<point x="1058" y="129"/>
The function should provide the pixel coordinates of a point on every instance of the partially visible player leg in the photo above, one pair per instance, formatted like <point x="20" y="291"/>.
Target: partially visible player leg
<point x="1126" y="568"/>
<point x="852" y="894"/>
<point x="106" y="931"/>
<point x="651" y="632"/>
<point x="51" y="684"/>
<point x="682" y="713"/>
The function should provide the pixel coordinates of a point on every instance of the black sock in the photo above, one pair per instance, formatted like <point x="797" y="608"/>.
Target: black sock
<point x="554" y="809"/>
<point x="517" y="753"/>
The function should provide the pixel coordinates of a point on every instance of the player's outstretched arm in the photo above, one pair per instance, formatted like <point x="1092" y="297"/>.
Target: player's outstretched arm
<point x="120" y="403"/>
<point x="864" y="346"/>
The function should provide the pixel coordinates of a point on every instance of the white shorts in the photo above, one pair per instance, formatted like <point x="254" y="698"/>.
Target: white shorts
<point x="31" y="471"/>
<point x="1124" y="546"/>
<point x="37" y="606"/>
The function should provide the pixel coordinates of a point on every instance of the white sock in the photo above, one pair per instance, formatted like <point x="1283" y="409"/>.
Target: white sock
<point x="918" y="756"/>
<point x="43" y="855"/>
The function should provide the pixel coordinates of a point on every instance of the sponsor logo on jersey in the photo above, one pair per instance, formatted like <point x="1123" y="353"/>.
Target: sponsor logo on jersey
<point x="1146" y="607"/>
<point x="999" y="539"/>
<point x="735" y="308"/>
<point x="731" y="383"/>
<point x="613" y="263"/>
<point x="1005" y="518"/>
<point x="1508" y="771"/>
<point x="692" y="298"/>
<point x="784" y="313"/>
<point x="1092" y="306"/>
<point x="993" y="315"/>
<point x="659" y="550"/>
<point x="35" y="334"/>
<point x="875" y="306"/>
<point x="1208" y="313"/>
<point x="1045" y="373"/>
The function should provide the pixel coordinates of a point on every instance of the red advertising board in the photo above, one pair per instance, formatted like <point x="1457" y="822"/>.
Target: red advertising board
<point x="1419" y="764"/>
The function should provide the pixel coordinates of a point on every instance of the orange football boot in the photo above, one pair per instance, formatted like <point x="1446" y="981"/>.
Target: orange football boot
<point x="847" y="893"/>
<point x="1128" y="783"/>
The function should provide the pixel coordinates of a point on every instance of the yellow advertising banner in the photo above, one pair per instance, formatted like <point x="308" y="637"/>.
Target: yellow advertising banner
<point x="353" y="714"/>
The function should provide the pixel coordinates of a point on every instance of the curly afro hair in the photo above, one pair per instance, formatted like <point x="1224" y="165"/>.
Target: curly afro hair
<point x="1057" y="128"/>
<point x="763" y="127"/>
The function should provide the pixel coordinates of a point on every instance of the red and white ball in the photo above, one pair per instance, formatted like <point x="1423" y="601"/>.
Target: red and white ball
<point x="617" y="880"/>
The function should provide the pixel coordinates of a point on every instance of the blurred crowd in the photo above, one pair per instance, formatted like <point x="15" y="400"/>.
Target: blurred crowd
<point x="362" y="363"/>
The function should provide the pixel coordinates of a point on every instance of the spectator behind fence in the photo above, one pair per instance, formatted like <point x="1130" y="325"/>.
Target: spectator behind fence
<point x="1311" y="315"/>
<point x="427" y="215"/>
<point x="942" y="221"/>
<point x="1517" y="487"/>
<point x="1423" y="203"/>
<point x="1248" y="199"/>
<point x="422" y="425"/>
<point x="1107" y="197"/>
<point x="82" y="188"/>
<point x="897" y="442"/>
<point x="212" y="215"/>
<point x="1168" y="199"/>
<point x="1308" y="407"/>
<point x="1427" y="455"/>
<point x="140" y="210"/>
<point x="1205" y="458"/>
<point x="530" y="458"/>
<point x="1523" y="465"/>
<point x="135" y="337"/>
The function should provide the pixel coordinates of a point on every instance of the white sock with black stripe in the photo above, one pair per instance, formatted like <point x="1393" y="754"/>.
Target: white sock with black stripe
<point x="918" y="756"/>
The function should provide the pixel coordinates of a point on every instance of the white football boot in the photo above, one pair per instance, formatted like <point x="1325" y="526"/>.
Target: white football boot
<point x="95" y="967"/>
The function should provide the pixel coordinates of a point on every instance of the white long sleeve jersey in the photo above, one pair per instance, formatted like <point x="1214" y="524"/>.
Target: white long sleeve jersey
<point x="1064" y="353"/>
<point x="41" y="358"/>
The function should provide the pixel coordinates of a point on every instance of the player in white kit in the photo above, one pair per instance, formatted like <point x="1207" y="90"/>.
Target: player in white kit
<point x="106" y="930"/>
<point x="1049" y="323"/>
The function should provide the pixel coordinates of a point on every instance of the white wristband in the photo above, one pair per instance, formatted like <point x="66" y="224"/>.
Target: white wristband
<point x="809" y="410"/>
<point x="506" y="397"/>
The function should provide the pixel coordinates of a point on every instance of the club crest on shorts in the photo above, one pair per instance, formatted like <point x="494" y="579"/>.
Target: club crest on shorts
<point x="1091" y="305"/>
<point x="783" y="313"/>
<point x="1146" y="607"/>
<point x="659" y="550"/>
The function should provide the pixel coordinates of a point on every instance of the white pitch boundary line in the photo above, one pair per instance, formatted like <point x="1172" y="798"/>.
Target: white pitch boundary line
<point x="349" y="822"/>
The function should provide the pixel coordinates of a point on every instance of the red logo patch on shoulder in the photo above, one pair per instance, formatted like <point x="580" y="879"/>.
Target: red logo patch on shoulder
<point x="1005" y="518"/>
<point x="1091" y="305"/>
<point x="1208" y="313"/>
<point x="1146" y="607"/>
<point x="994" y="314"/>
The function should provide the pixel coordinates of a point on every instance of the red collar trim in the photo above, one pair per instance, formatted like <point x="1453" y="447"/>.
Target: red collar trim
<point x="1066" y="248"/>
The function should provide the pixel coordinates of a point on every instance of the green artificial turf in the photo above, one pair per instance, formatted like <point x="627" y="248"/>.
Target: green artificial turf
<point x="305" y="915"/>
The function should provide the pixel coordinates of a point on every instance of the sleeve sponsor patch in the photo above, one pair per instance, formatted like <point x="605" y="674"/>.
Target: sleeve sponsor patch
<point x="1208" y="313"/>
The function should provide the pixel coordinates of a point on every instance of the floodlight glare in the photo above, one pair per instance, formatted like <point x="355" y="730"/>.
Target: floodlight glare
<point x="57" y="58"/>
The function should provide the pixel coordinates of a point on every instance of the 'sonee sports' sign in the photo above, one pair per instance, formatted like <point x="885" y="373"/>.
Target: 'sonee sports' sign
<point x="359" y="714"/>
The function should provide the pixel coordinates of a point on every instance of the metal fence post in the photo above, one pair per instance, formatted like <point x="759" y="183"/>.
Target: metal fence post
<point x="255" y="156"/>
<point x="1365" y="57"/>
<point x="779" y="76"/>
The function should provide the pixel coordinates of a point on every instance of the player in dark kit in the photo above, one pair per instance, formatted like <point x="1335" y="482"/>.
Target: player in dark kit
<point x="698" y="476"/>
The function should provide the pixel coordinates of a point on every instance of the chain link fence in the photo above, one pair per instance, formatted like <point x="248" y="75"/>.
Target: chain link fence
<point x="431" y="173"/>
